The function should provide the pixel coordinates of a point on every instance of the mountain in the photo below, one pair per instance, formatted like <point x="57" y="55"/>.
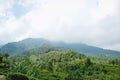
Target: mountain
<point x="35" y="43"/>
<point x="1" y="44"/>
<point x="89" y="50"/>
<point x="22" y="46"/>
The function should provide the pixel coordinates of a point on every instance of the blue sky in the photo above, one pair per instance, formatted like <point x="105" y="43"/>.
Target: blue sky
<point x="18" y="10"/>
<point x="94" y="22"/>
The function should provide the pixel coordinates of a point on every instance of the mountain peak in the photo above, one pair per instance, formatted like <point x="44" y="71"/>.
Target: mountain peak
<point x="32" y="43"/>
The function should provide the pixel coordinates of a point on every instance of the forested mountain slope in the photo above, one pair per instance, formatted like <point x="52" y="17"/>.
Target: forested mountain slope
<point x="32" y="43"/>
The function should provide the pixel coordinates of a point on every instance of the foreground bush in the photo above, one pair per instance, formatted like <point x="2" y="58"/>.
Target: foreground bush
<point x="17" y="77"/>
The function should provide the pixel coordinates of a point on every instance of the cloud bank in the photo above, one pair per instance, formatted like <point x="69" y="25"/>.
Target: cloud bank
<point x="94" y="22"/>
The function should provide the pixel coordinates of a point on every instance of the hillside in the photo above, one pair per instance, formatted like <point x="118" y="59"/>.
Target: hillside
<point x="22" y="46"/>
<point x="32" y="43"/>
<point x="47" y="60"/>
<point x="59" y="65"/>
<point x="1" y="44"/>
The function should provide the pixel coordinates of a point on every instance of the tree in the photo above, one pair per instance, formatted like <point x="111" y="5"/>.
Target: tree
<point x="1" y="58"/>
<point x="50" y="65"/>
<point x="88" y="62"/>
<point x="6" y="55"/>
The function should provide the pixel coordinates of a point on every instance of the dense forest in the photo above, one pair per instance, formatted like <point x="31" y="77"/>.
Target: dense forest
<point x="50" y="63"/>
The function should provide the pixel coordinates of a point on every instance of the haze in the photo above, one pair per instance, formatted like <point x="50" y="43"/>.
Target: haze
<point x="94" y="22"/>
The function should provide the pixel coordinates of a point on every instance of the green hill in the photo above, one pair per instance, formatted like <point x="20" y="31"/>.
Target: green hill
<point x="59" y="65"/>
<point x="32" y="43"/>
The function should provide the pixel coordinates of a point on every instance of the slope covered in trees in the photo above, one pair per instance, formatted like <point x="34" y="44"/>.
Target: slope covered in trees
<point x="30" y="43"/>
<point x="55" y="64"/>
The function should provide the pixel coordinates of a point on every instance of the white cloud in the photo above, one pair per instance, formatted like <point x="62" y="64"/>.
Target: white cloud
<point x="87" y="21"/>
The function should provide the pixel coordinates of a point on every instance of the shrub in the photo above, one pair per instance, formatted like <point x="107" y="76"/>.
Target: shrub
<point x="17" y="77"/>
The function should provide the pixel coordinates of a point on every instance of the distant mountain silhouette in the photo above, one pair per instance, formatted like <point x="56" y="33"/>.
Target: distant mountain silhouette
<point x="1" y="44"/>
<point x="32" y="43"/>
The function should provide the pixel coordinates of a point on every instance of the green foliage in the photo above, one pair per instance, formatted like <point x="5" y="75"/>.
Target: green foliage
<point x="88" y="62"/>
<point x="1" y="58"/>
<point x="6" y="55"/>
<point x="115" y="61"/>
<point x="59" y="65"/>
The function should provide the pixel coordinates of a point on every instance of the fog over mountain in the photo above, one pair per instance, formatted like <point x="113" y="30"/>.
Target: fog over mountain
<point x="39" y="44"/>
<point x="93" y="22"/>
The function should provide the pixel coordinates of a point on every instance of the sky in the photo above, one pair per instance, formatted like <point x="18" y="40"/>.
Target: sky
<point x="93" y="22"/>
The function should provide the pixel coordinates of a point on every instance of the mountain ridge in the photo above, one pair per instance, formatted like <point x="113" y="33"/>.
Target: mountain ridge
<point x="32" y="43"/>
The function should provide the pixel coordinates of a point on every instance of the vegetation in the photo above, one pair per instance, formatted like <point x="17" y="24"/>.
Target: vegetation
<point x="31" y="44"/>
<point x="54" y="64"/>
